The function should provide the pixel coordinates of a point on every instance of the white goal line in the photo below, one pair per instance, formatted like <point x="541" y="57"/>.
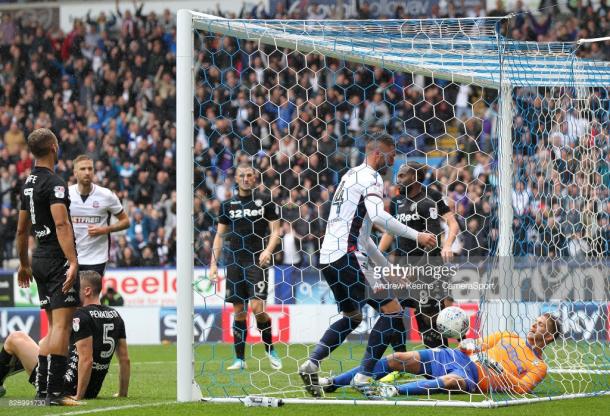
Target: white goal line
<point x="577" y="371"/>
<point x="413" y="403"/>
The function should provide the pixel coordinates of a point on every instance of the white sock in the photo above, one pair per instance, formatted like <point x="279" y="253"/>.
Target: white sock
<point x="361" y="379"/>
<point x="309" y="366"/>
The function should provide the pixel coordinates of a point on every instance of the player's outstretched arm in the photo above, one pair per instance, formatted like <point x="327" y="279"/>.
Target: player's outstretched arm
<point x="24" y="274"/>
<point x="124" y="367"/>
<point x="219" y="239"/>
<point x="65" y="236"/>
<point x="84" y="347"/>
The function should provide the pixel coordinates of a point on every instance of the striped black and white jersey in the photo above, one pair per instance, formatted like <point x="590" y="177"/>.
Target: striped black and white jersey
<point x="94" y="209"/>
<point x="349" y="222"/>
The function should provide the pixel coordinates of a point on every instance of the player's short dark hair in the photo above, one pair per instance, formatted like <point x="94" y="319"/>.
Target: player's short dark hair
<point x="555" y="327"/>
<point x="80" y="158"/>
<point x="40" y="142"/>
<point x="375" y="140"/>
<point x="246" y="166"/>
<point x="420" y="170"/>
<point x="93" y="279"/>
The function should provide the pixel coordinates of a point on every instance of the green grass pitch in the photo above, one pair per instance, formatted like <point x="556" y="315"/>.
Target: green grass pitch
<point x="153" y="389"/>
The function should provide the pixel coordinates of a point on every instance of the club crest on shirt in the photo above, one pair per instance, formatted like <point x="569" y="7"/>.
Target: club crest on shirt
<point x="258" y="202"/>
<point x="75" y="324"/>
<point x="96" y="204"/>
<point x="59" y="191"/>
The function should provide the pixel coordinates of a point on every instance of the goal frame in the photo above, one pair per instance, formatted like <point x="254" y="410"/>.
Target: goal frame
<point x="187" y="388"/>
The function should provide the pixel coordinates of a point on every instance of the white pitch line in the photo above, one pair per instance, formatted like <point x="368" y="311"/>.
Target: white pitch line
<point x="149" y="363"/>
<point x="111" y="408"/>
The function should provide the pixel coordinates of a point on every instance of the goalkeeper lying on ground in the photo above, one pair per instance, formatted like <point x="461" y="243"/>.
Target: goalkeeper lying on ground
<point x="501" y="362"/>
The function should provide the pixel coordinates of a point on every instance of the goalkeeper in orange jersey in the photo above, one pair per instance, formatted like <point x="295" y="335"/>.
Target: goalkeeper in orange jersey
<point x="500" y="362"/>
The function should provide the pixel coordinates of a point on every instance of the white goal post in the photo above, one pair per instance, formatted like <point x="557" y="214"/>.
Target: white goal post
<point x="474" y="57"/>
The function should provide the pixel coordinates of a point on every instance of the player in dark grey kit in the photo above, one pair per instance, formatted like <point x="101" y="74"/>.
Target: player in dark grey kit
<point x="423" y="209"/>
<point x="45" y="205"/>
<point x="247" y="220"/>
<point x="98" y="332"/>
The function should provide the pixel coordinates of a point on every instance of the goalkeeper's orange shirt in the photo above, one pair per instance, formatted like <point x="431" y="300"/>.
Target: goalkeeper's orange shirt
<point x="523" y="368"/>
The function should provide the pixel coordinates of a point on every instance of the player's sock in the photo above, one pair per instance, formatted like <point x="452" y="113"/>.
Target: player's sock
<point x="420" y="387"/>
<point x="399" y="339"/>
<point x="240" y="332"/>
<point x="58" y="364"/>
<point x="265" y="328"/>
<point x="332" y="338"/>
<point x="5" y="360"/>
<point x="42" y="375"/>
<point x="381" y="369"/>
<point x="381" y="335"/>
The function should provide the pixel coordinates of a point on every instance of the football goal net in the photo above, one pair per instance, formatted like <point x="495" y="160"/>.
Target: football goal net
<point x="507" y="145"/>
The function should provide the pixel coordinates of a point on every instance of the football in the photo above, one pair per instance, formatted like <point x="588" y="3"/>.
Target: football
<point x="452" y="322"/>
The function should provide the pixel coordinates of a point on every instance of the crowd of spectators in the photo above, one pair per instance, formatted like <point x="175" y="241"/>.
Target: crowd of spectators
<point x="107" y="89"/>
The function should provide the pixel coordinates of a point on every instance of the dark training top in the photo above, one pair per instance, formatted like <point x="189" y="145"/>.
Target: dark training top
<point x="248" y="220"/>
<point x="42" y="189"/>
<point x="423" y="213"/>
<point x="106" y="327"/>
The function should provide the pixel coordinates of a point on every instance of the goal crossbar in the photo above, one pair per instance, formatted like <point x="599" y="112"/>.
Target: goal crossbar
<point x="459" y="57"/>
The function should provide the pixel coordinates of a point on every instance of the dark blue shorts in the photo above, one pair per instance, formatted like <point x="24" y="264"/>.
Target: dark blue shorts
<point x="438" y="362"/>
<point x="348" y="284"/>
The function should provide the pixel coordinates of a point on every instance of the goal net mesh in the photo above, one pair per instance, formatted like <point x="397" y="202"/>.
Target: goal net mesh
<point x="297" y="100"/>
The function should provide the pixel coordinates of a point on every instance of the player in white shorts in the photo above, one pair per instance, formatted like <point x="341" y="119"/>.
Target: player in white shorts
<point x="91" y="209"/>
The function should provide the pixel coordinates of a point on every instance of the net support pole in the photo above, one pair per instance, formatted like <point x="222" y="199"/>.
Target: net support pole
<point x="184" y="205"/>
<point x="505" y="205"/>
<point x="505" y="172"/>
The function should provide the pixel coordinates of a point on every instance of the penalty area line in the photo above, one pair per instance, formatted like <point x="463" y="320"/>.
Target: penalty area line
<point x="113" y="408"/>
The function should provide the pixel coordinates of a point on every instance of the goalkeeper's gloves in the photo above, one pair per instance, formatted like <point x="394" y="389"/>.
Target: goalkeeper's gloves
<point x="469" y="346"/>
<point x="491" y="365"/>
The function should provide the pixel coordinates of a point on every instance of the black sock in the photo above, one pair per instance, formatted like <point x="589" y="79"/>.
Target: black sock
<point x="379" y="339"/>
<point x="58" y="364"/>
<point x="5" y="360"/>
<point x="431" y="337"/>
<point x="399" y="339"/>
<point x="333" y="337"/>
<point x="42" y="375"/>
<point x="240" y="332"/>
<point x="265" y="328"/>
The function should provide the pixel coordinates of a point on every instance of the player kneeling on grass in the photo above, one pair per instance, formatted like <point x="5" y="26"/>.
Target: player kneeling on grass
<point x="501" y="362"/>
<point x="98" y="332"/>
